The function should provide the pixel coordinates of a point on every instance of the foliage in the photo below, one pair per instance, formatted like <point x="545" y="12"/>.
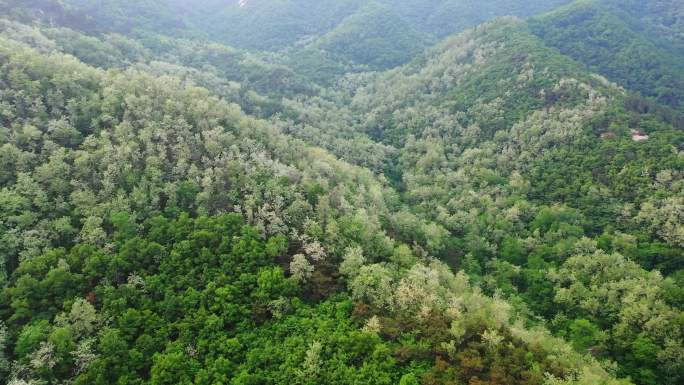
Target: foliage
<point x="177" y="211"/>
<point x="611" y="42"/>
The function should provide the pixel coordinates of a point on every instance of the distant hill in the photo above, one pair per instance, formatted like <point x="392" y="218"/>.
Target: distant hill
<point x="445" y="17"/>
<point x="375" y="36"/>
<point x="271" y="24"/>
<point x="372" y="33"/>
<point x="619" y="42"/>
<point x="662" y="20"/>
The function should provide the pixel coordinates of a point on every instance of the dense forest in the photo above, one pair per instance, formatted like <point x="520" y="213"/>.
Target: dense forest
<point x="341" y="192"/>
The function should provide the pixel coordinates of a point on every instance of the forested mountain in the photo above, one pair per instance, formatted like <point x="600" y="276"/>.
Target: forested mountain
<point x="442" y="18"/>
<point x="321" y="192"/>
<point x="614" y="39"/>
<point x="522" y="157"/>
<point x="659" y="19"/>
<point x="362" y="34"/>
<point x="374" y="36"/>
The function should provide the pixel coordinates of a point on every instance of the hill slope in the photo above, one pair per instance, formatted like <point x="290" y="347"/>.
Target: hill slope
<point x="442" y="18"/>
<point x="490" y="213"/>
<point x="374" y="36"/>
<point x="523" y="157"/>
<point x="618" y="44"/>
<point x="153" y="233"/>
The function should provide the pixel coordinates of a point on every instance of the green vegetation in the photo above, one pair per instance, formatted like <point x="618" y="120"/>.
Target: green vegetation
<point x="442" y="18"/>
<point x="332" y="202"/>
<point x="612" y="42"/>
<point x="374" y="37"/>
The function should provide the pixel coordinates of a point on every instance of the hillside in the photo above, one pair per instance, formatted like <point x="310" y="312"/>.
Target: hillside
<point x="372" y="38"/>
<point x="617" y="44"/>
<point x="662" y="20"/>
<point x="136" y="210"/>
<point x="289" y="21"/>
<point x="442" y="18"/>
<point x="525" y="158"/>
<point x="271" y="24"/>
<point x="289" y="191"/>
